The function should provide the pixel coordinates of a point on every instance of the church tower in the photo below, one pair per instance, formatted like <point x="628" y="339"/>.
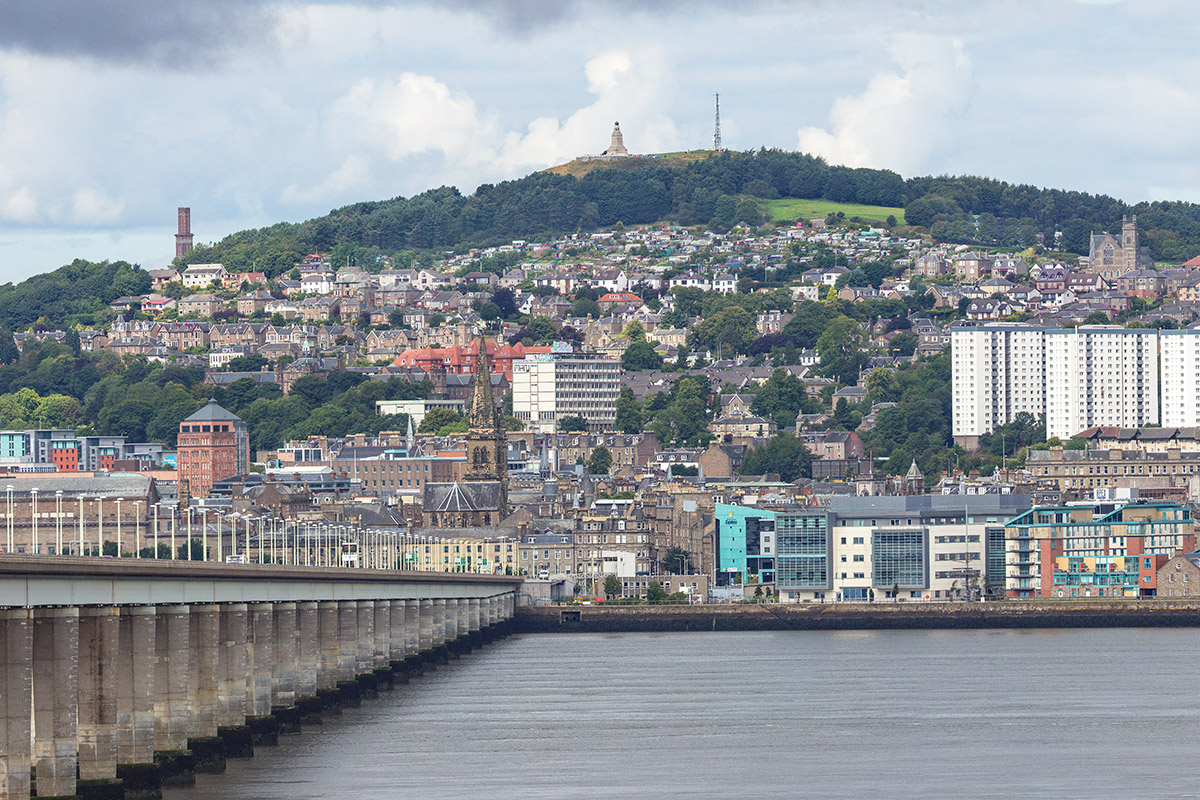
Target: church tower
<point x="487" y="444"/>
<point x="1129" y="243"/>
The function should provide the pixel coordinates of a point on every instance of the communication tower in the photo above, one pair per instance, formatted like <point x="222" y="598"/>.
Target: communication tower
<point x="717" y="125"/>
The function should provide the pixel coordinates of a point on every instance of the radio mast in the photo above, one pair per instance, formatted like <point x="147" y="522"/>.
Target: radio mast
<point x="717" y="125"/>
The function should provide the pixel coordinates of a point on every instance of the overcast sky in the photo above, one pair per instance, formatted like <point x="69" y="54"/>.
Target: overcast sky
<point x="113" y="114"/>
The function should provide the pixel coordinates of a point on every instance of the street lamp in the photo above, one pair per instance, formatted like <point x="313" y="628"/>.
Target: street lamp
<point x="58" y="522"/>
<point x="119" y="499"/>
<point x="100" y="523"/>
<point x="80" y="525"/>
<point x="9" y="513"/>
<point x="204" y="534"/>
<point x="137" y="528"/>
<point x="156" y="505"/>
<point x="33" y="501"/>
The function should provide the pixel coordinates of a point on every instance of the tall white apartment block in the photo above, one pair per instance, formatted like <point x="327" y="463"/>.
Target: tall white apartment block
<point x="549" y="386"/>
<point x="1180" y="359"/>
<point x="1100" y="375"/>
<point x="998" y="372"/>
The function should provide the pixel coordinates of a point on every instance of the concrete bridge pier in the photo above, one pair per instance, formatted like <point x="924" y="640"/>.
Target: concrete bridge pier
<point x="172" y="666"/>
<point x="307" y="662"/>
<point x="232" y="670"/>
<point x="440" y="654"/>
<point x="426" y="639"/>
<point x="16" y="684"/>
<point x="55" y="698"/>
<point x="260" y="677"/>
<point x="364" y="651"/>
<point x="208" y="750"/>
<point x="99" y="640"/>
<point x="351" y="692"/>
<point x="328" y="629"/>
<point x="283" y="691"/>
<point x="382" y="660"/>
<point x="454" y="645"/>
<point x="395" y="642"/>
<point x="137" y="674"/>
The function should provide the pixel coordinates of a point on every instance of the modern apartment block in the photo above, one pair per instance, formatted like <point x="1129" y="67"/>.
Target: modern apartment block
<point x="1101" y="550"/>
<point x="1100" y="375"/>
<point x="549" y="386"/>
<point x="999" y="371"/>
<point x="61" y="450"/>
<point x="1076" y="377"/>
<point x="1180" y="352"/>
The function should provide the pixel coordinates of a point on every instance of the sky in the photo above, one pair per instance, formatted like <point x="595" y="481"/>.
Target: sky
<point x="114" y="114"/>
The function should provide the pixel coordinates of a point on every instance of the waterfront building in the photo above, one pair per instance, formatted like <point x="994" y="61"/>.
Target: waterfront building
<point x="1080" y="474"/>
<point x="1180" y="576"/>
<point x="916" y="547"/>
<point x="1099" y="550"/>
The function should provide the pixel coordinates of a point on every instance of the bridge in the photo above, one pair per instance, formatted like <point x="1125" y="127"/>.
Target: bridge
<point x="118" y="677"/>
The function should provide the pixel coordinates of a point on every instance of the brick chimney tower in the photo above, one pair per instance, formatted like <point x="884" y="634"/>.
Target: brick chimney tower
<point x="183" y="239"/>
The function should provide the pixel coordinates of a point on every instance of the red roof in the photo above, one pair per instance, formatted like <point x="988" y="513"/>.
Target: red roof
<point x="1191" y="262"/>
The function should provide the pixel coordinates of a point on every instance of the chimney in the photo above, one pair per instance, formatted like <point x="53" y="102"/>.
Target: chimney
<point x="183" y="238"/>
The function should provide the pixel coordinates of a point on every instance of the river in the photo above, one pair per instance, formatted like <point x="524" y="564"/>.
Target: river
<point x="891" y="714"/>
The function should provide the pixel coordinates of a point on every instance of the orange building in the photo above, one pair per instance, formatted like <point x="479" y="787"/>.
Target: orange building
<point x="461" y="360"/>
<point x="214" y="444"/>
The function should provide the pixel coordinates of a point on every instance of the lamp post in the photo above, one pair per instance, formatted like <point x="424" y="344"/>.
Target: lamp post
<point x="80" y="525"/>
<point x="8" y="512"/>
<point x="219" y="547"/>
<point x="137" y="528"/>
<point x="119" y="499"/>
<point x="100" y="523"/>
<point x="204" y="534"/>
<point x="58" y="522"/>
<point x="156" y="530"/>
<point x="174" y="525"/>
<point x="33" y="493"/>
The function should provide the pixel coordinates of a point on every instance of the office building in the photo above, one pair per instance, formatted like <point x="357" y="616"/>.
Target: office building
<point x="562" y="383"/>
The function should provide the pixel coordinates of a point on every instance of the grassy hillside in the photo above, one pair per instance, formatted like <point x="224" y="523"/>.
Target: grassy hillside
<point x="793" y="208"/>
<point x="578" y="168"/>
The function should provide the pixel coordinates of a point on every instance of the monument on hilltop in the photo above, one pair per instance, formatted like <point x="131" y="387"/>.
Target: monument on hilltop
<point x="616" y="147"/>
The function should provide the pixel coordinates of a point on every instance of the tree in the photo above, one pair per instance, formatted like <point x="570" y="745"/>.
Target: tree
<point x="600" y="461"/>
<point x="612" y="586"/>
<point x="677" y="561"/>
<point x="572" y="423"/>
<point x="655" y="593"/>
<point x="1096" y="318"/>
<point x="903" y="344"/>
<point x="629" y="412"/>
<point x="840" y="349"/>
<point x="437" y="418"/>
<point x="247" y="363"/>
<point x="784" y="455"/>
<point x="640" y="355"/>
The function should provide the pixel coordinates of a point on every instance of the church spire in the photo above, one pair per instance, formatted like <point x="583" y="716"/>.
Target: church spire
<point x="483" y="406"/>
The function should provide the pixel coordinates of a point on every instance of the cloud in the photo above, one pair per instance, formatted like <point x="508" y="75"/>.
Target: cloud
<point x="384" y="125"/>
<point x="903" y="117"/>
<point x="171" y="33"/>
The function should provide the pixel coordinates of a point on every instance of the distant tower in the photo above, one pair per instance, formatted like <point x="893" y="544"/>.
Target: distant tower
<point x="717" y="125"/>
<point x="183" y="239"/>
<point x="616" y="147"/>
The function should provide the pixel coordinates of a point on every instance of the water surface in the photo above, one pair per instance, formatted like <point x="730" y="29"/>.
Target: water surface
<point x="889" y="714"/>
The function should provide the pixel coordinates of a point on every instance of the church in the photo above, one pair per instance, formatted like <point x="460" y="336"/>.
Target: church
<point x="1112" y="257"/>
<point x="480" y="499"/>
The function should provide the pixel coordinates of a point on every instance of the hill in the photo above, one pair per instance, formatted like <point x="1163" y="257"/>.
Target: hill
<point x="582" y="166"/>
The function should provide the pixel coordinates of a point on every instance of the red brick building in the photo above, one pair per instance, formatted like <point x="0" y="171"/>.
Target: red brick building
<point x="213" y="445"/>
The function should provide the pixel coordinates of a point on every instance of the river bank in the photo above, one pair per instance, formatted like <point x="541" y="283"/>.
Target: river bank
<point x="857" y="616"/>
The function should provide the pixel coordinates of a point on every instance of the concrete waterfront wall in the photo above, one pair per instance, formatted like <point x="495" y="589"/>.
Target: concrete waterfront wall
<point x="857" y="616"/>
<point x="119" y="678"/>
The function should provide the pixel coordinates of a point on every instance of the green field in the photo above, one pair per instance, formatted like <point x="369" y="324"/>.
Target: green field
<point x="790" y="209"/>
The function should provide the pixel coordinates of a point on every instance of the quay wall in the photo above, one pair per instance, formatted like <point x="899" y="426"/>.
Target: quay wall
<point x="857" y="616"/>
